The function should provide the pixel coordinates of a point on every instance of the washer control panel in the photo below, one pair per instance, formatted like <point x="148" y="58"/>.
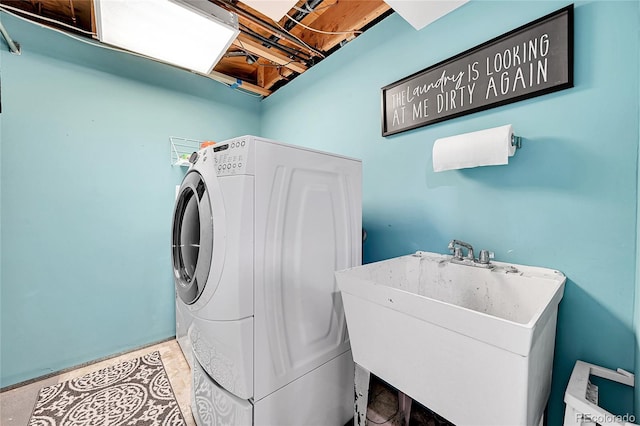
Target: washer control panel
<point x="230" y="158"/>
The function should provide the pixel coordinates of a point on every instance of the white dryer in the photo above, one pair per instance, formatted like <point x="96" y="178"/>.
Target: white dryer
<point x="259" y="229"/>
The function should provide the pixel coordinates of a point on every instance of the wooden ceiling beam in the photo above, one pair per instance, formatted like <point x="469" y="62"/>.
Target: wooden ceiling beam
<point x="269" y="75"/>
<point x="223" y="78"/>
<point x="263" y="25"/>
<point x="247" y="44"/>
<point x="343" y="17"/>
<point x="92" y="17"/>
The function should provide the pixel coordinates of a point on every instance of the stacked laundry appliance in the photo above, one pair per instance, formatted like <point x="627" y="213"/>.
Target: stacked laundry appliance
<point x="259" y="228"/>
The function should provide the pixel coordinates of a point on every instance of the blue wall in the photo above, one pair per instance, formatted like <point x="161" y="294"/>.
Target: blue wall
<point x="567" y="200"/>
<point x="87" y="191"/>
<point x="87" y="194"/>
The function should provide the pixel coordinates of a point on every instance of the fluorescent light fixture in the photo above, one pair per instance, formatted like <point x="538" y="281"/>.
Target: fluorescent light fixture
<point x="274" y="9"/>
<point x="192" y="34"/>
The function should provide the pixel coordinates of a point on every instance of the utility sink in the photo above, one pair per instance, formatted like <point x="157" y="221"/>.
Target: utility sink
<point x="473" y="344"/>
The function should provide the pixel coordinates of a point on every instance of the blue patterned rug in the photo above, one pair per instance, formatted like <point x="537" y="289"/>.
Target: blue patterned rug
<point x="135" y="392"/>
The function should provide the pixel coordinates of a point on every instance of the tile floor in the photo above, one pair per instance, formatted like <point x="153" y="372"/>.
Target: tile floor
<point x="16" y="404"/>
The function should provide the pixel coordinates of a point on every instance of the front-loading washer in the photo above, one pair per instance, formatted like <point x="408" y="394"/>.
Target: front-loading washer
<point x="183" y="321"/>
<point x="259" y="229"/>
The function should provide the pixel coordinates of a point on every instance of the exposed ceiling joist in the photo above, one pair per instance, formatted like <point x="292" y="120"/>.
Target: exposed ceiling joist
<point x="242" y="84"/>
<point x="346" y="21"/>
<point x="266" y="55"/>
<point x="245" y="43"/>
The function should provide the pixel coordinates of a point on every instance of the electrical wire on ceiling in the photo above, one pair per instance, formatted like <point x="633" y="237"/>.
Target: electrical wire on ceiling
<point x="321" y="55"/>
<point x="272" y="65"/>
<point x="248" y="54"/>
<point x="308" y="9"/>
<point x="242" y="53"/>
<point x="289" y="51"/>
<point x="276" y="29"/>
<point x="323" y="32"/>
<point x="301" y="14"/>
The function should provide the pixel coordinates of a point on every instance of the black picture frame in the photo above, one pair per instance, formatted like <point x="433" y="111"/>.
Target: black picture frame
<point x="543" y="50"/>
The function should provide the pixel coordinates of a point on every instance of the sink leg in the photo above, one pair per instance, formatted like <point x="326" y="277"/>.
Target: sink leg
<point x="361" y="381"/>
<point x="404" y="408"/>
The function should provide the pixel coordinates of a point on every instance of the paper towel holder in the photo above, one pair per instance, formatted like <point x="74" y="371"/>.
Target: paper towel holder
<point x="516" y="141"/>
<point x="488" y="147"/>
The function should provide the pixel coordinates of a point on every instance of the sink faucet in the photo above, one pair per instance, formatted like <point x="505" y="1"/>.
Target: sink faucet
<point x="483" y="260"/>
<point x="457" y="251"/>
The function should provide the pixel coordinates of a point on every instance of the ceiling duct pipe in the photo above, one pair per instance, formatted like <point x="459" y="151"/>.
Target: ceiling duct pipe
<point x="300" y="15"/>
<point x="310" y="5"/>
<point x="270" y="42"/>
<point x="270" y="27"/>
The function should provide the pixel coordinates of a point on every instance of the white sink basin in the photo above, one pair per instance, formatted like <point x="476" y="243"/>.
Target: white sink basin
<point x="474" y="345"/>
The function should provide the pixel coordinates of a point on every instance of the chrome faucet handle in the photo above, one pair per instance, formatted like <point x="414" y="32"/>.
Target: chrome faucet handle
<point x="470" y="254"/>
<point x="485" y="256"/>
<point x="457" y="253"/>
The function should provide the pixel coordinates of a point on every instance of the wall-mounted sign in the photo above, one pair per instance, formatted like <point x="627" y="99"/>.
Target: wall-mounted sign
<point x="529" y="61"/>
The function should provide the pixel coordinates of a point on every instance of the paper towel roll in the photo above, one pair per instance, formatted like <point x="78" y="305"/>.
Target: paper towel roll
<point x="488" y="147"/>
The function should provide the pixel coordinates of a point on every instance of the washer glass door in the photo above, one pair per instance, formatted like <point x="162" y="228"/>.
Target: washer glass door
<point x="192" y="238"/>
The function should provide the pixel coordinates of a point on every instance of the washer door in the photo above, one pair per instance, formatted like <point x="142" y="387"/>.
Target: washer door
<point x="192" y="238"/>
